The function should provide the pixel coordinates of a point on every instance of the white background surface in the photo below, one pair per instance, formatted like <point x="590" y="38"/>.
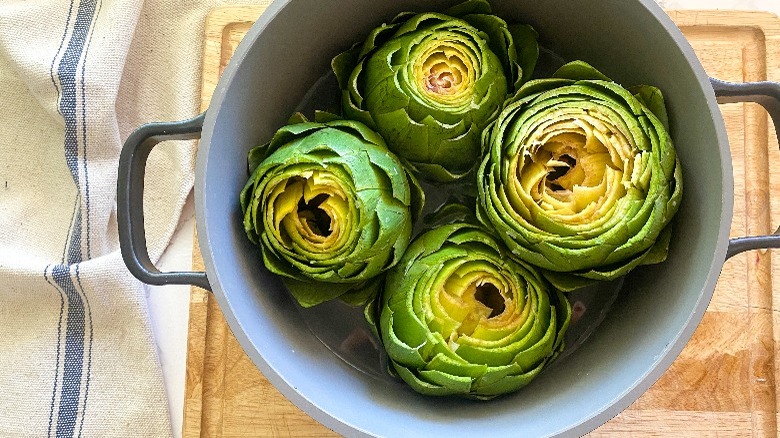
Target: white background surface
<point x="169" y="305"/>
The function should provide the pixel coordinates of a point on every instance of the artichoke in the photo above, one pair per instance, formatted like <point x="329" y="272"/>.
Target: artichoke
<point x="330" y="207"/>
<point x="580" y="177"/>
<point x="429" y="83"/>
<point x="460" y="317"/>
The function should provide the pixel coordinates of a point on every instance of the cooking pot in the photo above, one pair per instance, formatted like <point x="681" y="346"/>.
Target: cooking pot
<point x="284" y="55"/>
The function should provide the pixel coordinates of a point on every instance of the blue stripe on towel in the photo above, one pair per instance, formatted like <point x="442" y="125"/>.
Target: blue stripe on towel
<point x="74" y="352"/>
<point x="86" y="193"/>
<point x="59" y="334"/>
<point x="66" y="70"/>
<point x="89" y="354"/>
<point x="75" y="326"/>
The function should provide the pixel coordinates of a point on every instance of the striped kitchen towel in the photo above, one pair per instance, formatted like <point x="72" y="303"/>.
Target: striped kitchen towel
<point x="77" y="356"/>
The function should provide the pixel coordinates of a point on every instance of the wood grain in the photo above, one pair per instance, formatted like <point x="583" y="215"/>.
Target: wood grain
<point x="724" y="383"/>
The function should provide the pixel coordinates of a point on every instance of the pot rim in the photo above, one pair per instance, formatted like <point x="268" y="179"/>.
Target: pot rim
<point x="655" y="370"/>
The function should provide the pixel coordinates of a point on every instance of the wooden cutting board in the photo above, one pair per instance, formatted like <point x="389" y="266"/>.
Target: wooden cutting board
<point x="723" y="383"/>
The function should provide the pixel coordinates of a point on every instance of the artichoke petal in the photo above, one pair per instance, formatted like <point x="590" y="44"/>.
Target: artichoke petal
<point x="653" y="99"/>
<point x="309" y="294"/>
<point x="525" y="39"/>
<point x="580" y="71"/>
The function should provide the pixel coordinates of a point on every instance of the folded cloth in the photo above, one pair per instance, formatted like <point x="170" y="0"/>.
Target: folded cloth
<point x="77" y="356"/>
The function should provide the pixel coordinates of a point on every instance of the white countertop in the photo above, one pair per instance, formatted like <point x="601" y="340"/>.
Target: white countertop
<point x="169" y="305"/>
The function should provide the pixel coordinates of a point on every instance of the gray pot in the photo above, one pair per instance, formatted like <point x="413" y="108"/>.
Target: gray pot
<point x="284" y="54"/>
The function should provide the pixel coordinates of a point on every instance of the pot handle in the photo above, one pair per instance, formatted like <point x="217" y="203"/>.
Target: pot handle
<point x="130" y="197"/>
<point x="767" y="94"/>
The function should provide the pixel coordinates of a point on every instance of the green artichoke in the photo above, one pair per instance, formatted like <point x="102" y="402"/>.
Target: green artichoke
<point x="429" y="83"/>
<point x="460" y="317"/>
<point x="330" y="207"/>
<point x="580" y="177"/>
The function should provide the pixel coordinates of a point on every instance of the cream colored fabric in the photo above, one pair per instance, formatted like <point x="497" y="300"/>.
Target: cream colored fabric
<point x="77" y="357"/>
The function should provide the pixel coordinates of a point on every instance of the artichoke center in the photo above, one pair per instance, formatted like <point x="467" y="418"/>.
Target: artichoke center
<point x="563" y="165"/>
<point x="439" y="82"/>
<point x="473" y="299"/>
<point x="316" y="219"/>
<point x="488" y="295"/>
<point x="309" y="211"/>
<point x="560" y="156"/>
<point x="443" y="73"/>
<point x="570" y="171"/>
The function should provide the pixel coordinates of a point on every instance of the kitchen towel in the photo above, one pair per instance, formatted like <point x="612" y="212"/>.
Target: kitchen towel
<point x="77" y="356"/>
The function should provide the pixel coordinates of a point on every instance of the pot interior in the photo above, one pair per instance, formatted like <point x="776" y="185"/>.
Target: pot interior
<point x="653" y="316"/>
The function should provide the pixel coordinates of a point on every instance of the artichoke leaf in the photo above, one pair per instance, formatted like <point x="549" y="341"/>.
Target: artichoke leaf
<point x="451" y="212"/>
<point x="580" y="71"/>
<point x="525" y="38"/>
<point x="363" y="294"/>
<point x="321" y="116"/>
<point x="419" y="385"/>
<point x="343" y="64"/>
<point x="657" y="253"/>
<point x="509" y="383"/>
<point x="566" y="282"/>
<point x="256" y="156"/>
<point x="453" y="365"/>
<point x="454" y="383"/>
<point x="309" y="294"/>
<point x="296" y="118"/>
<point x="653" y="99"/>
